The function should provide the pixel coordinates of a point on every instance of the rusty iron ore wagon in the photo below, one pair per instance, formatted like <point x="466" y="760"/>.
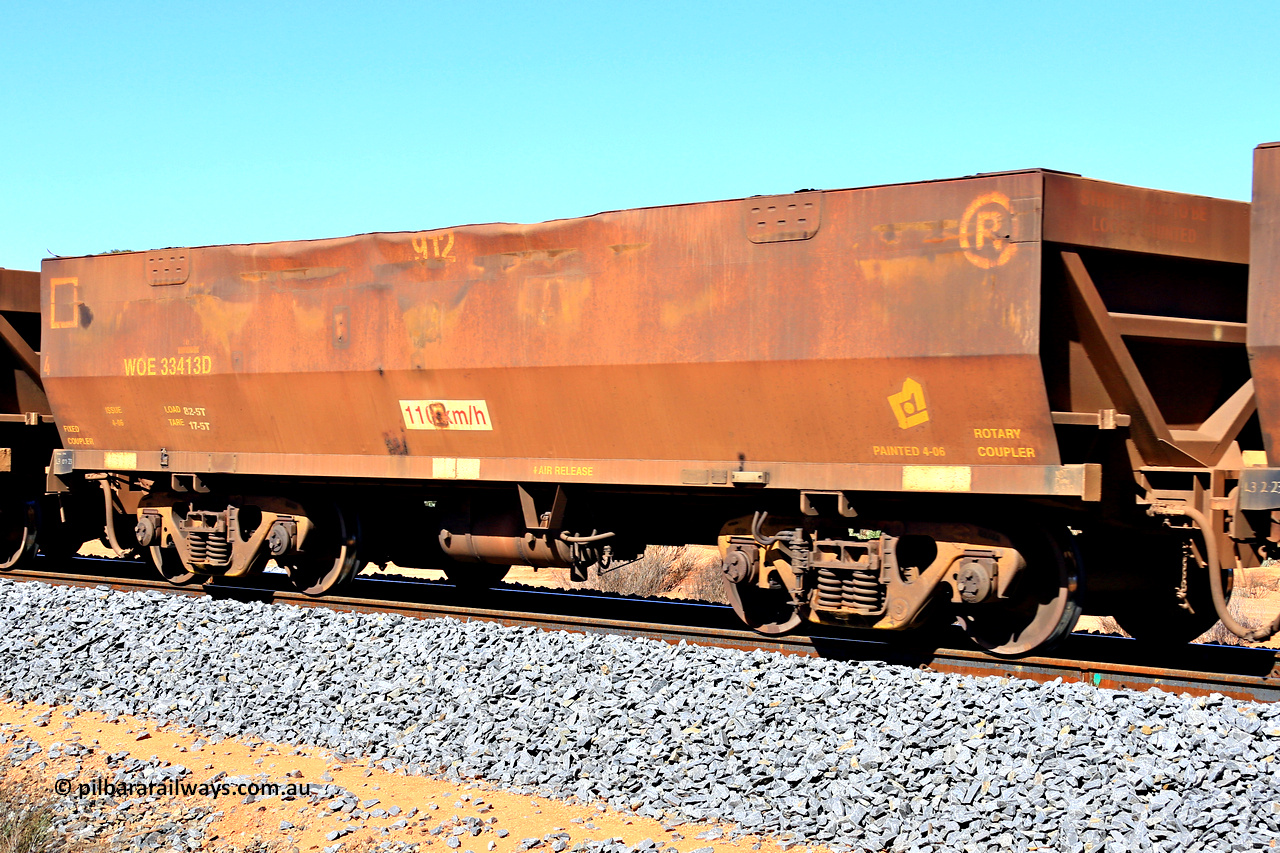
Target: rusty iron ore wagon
<point x="999" y="399"/>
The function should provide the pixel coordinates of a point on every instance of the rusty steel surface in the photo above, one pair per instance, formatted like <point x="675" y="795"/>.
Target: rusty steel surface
<point x="1084" y="212"/>
<point x="21" y="392"/>
<point x="1264" y="302"/>
<point x="885" y="339"/>
<point x="1257" y="679"/>
<point x="19" y="291"/>
<point x="657" y="334"/>
<point x="1064" y="480"/>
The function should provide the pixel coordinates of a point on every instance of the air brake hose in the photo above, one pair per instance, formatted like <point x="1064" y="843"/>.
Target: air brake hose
<point x="1215" y="574"/>
<point x="111" y="519"/>
<point x="586" y="540"/>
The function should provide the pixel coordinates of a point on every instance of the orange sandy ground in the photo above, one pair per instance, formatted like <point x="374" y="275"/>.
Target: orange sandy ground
<point x="241" y="825"/>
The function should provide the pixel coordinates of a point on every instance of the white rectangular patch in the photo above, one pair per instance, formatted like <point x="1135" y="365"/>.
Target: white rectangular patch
<point x="936" y="478"/>
<point x="1254" y="458"/>
<point x="446" y="414"/>
<point x="120" y="461"/>
<point x="448" y="468"/>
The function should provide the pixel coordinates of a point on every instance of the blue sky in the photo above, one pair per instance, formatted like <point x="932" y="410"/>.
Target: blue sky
<point x="141" y="125"/>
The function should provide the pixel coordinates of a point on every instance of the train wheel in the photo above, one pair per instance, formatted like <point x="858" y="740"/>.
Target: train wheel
<point x="766" y="611"/>
<point x="17" y="534"/>
<point x="474" y="577"/>
<point x="1042" y="606"/>
<point x="329" y="557"/>
<point x="170" y="566"/>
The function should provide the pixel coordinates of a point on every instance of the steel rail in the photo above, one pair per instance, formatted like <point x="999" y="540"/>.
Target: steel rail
<point x="1107" y="662"/>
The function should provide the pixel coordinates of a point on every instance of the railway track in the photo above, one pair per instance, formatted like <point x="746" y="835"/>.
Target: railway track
<point x="1107" y="662"/>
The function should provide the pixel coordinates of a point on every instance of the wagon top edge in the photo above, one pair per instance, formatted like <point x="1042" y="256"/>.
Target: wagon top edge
<point x="1069" y="198"/>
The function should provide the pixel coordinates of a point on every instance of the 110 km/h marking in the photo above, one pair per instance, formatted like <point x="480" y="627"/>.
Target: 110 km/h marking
<point x="446" y="414"/>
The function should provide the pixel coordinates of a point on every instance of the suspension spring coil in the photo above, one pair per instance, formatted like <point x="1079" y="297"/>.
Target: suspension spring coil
<point x="218" y="549"/>
<point x="857" y="589"/>
<point x="198" y="546"/>
<point x="830" y="588"/>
